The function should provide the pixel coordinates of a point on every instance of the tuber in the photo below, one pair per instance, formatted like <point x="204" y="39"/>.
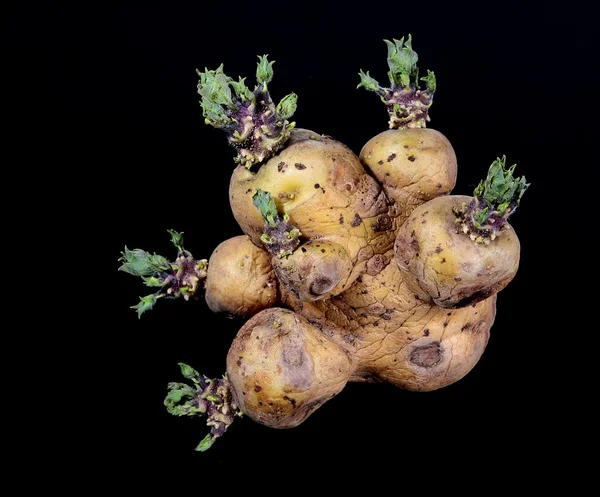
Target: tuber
<point x="349" y="268"/>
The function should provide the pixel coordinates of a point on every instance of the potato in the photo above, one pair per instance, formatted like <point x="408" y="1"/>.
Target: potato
<point x="385" y="276"/>
<point x="324" y="190"/>
<point x="412" y="165"/>
<point x="282" y="368"/>
<point x="450" y="267"/>
<point x="315" y="270"/>
<point x="394" y="336"/>
<point x="240" y="280"/>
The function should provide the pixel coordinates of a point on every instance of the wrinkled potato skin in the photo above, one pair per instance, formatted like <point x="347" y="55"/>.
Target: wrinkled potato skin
<point x="404" y="314"/>
<point x="450" y="267"/>
<point x="240" y="280"/>
<point x="382" y="324"/>
<point x="322" y="186"/>
<point x="315" y="270"/>
<point x="282" y="368"/>
<point x="412" y="165"/>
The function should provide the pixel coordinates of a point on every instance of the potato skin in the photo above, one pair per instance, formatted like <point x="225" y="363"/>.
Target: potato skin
<point x="394" y="336"/>
<point x="321" y="185"/>
<point x="316" y="270"/>
<point x="451" y="268"/>
<point x="413" y="165"/>
<point x="240" y="280"/>
<point x="282" y="368"/>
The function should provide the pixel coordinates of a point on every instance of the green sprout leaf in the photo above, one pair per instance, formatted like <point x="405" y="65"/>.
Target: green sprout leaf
<point x="265" y="203"/>
<point x="206" y="443"/>
<point x="286" y="108"/>
<point x="241" y="90"/>
<point x="146" y="303"/>
<point x="429" y="80"/>
<point x="141" y="263"/>
<point x="264" y="71"/>
<point x="500" y="189"/>
<point x="177" y="239"/>
<point x="369" y="83"/>
<point x="402" y="61"/>
<point x="188" y="372"/>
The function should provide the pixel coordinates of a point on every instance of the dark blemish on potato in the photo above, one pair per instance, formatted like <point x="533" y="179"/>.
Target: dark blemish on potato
<point x="443" y="260"/>
<point x="317" y="186"/>
<point x="411" y="158"/>
<point x="320" y="286"/>
<point x="248" y="190"/>
<point x="457" y="279"/>
<point x="341" y="219"/>
<point x="291" y="401"/>
<point x="445" y="323"/>
<point x="423" y="222"/>
<point x="405" y="146"/>
<point x="439" y="185"/>
<point x="427" y="356"/>
<point x="257" y="388"/>
<point x="356" y="221"/>
<point x="280" y="166"/>
<point x="376" y="323"/>
<point x="299" y="166"/>
<point x="243" y="393"/>
<point x="438" y="249"/>
<point x="323" y="189"/>
<point x="303" y="249"/>
<point x="391" y="157"/>
<point x="387" y="174"/>
<point x="412" y="235"/>
<point x="239" y="361"/>
<point x="380" y="162"/>
<point x="359" y="279"/>
<point x="383" y="223"/>
<point x="415" y="246"/>
<point x="322" y="251"/>
<point x="386" y="316"/>
<point x="466" y="327"/>
<point x="449" y="314"/>
<point x="376" y="264"/>
<point x="271" y="404"/>
<point x="260" y="403"/>
<point x="426" y="332"/>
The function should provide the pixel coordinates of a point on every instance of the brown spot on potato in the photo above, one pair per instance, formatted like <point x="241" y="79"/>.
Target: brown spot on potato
<point x="466" y="327"/>
<point x="320" y="286"/>
<point x="426" y="332"/>
<point x="299" y="166"/>
<point x="317" y="186"/>
<point x="439" y="185"/>
<point x="411" y="158"/>
<point x="383" y="223"/>
<point x="356" y="221"/>
<point x="391" y="157"/>
<point x="380" y="162"/>
<point x="376" y="264"/>
<point x="405" y="146"/>
<point x="341" y="219"/>
<point x="427" y="356"/>
<point x="281" y="166"/>
<point x="438" y="249"/>
<point x="290" y="400"/>
<point x="443" y="260"/>
<point x="257" y="388"/>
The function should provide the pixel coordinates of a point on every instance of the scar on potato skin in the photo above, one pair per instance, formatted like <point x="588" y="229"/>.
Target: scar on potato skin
<point x="356" y="221"/>
<point x="427" y="356"/>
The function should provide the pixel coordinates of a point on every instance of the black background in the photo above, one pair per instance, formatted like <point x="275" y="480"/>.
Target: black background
<point x="111" y="92"/>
